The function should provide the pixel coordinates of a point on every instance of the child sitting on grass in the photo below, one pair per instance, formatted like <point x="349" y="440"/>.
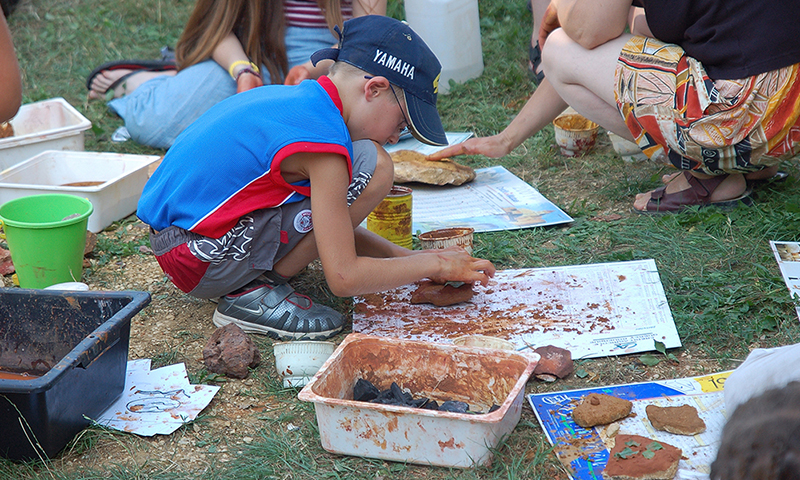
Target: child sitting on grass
<point x="231" y="205"/>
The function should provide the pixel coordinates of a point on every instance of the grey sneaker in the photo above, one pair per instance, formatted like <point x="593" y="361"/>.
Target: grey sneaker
<point x="280" y="312"/>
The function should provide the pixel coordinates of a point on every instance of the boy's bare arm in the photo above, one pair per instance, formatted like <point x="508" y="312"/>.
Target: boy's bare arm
<point x="348" y="273"/>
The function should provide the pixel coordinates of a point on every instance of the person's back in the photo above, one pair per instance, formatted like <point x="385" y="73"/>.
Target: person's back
<point x="269" y="180"/>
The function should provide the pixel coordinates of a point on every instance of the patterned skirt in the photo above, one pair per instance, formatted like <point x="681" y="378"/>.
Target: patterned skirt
<point x="678" y="114"/>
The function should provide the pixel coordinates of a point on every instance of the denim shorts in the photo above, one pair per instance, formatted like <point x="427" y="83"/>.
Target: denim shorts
<point x="211" y="267"/>
<point x="161" y="108"/>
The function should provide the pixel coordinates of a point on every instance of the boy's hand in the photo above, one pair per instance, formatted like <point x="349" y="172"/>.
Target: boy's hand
<point x="459" y="266"/>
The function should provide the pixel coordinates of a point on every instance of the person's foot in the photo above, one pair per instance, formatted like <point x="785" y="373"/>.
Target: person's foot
<point x="278" y="311"/>
<point x="763" y="174"/>
<point x="731" y="188"/>
<point x="121" y="81"/>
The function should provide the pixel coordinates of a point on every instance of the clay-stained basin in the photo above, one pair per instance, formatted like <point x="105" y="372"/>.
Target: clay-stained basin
<point x="481" y="377"/>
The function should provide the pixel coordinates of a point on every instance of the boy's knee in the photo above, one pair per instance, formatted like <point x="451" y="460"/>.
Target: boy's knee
<point x="384" y="170"/>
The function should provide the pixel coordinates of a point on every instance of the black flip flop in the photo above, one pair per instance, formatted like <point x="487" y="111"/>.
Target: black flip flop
<point x="535" y="57"/>
<point x="134" y="65"/>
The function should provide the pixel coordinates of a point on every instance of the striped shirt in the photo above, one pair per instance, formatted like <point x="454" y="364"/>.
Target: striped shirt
<point x="307" y="14"/>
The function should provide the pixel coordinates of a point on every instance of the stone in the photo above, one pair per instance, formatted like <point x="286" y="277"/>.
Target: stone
<point x="554" y="361"/>
<point x="6" y="265"/>
<point x="231" y="352"/>
<point x="411" y="166"/>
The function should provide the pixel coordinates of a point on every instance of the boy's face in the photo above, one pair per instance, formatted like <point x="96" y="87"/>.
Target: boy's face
<point x="387" y="117"/>
<point x="396" y="119"/>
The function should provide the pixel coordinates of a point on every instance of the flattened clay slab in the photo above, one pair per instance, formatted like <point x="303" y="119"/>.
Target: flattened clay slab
<point x="682" y="420"/>
<point x="632" y="464"/>
<point x="441" y="295"/>
<point x="600" y="409"/>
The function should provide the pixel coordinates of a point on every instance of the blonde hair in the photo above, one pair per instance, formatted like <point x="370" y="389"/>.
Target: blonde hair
<point x="258" y="24"/>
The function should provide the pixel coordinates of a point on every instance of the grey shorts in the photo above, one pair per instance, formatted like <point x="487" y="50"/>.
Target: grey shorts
<point x="253" y="246"/>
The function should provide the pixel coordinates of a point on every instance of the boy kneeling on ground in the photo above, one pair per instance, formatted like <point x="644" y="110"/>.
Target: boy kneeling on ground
<point x="231" y="205"/>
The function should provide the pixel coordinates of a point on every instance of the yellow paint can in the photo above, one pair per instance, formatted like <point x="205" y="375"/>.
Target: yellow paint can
<point x="391" y="219"/>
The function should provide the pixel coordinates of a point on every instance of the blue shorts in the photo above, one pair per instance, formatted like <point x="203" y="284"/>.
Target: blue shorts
<point x="161" y="108"/>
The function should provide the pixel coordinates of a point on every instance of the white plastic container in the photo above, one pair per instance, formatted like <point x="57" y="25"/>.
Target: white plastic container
<point x="451" y="28"/>
<point x="480" y="377"/>
<point x="299" y="360"/>
<point x="116" y="181"/>
<point x="51" y="124"/>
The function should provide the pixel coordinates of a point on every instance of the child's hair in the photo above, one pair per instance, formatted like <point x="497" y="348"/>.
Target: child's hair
<point x="760" y="439"/>
<point x="347" y="70"/>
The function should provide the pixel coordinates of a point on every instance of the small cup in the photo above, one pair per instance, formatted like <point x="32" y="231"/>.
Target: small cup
<point x="298" y="361"/>
<point x="575" y="134"/>
<point x="629" y="151"/>
<point x="448" y="237"/>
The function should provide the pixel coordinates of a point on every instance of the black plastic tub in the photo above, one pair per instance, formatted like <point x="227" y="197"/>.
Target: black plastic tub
<point x="75" y="344"/>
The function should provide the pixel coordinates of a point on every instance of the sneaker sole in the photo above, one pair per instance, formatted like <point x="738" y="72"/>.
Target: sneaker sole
<point x="220" y="320"/>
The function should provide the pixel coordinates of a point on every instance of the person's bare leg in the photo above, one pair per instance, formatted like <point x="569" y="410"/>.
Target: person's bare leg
<point x="585" y="78"/>
<point x="103" y="81"/>
<point x="538" y="8"/>
<point x="759" y="175"/>
<point x="378" y="187"/>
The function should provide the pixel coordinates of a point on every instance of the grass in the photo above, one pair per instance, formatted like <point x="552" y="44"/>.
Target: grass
<point x="722" y="283"/>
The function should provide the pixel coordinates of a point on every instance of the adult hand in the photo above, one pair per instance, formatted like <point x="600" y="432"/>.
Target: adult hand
<point x="493" y="147"/>
<point x="459" y="266"/>
<point x="248" y="81"/>
<point x="296" y="75"/>
<point x="549" y="23"/>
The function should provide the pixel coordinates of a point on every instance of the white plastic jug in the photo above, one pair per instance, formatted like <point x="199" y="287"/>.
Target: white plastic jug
<point x="451" y="28"/>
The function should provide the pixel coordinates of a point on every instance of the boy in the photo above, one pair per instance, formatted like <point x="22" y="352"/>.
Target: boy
<point x="231" y="206"/>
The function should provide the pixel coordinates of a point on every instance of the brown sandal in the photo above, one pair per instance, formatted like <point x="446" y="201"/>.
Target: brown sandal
<point x="698" y="193"/>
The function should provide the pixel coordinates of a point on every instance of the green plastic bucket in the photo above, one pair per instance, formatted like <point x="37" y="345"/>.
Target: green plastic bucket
<point x="46" y="235"/>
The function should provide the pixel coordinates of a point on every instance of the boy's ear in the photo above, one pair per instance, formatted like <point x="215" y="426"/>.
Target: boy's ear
<point x="375" y="86"/>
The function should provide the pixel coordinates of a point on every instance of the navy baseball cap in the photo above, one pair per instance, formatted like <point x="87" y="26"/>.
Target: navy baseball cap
<point x="386" y="47"/>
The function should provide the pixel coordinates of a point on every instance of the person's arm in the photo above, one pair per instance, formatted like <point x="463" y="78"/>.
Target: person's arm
<point x="541" y="109"/>
<point x="230" y="53"/>
<point x="589" y="23"/>
<point x="10" y="81"/>
<point x="308" y="70"/>
<point x="637" y="22"/>
<point x="347" y="269"/>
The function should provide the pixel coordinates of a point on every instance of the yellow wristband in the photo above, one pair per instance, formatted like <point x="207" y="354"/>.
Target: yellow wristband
<point x="241" y="62"/>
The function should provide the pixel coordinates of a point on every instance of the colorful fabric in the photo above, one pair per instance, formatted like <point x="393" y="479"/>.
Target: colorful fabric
<point x="678" y="114"/>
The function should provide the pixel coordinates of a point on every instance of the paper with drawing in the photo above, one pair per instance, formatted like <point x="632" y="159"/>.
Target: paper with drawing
<point x="156" y="401"/>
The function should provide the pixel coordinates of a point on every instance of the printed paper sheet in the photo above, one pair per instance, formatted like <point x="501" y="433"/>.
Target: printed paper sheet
<point x="496" y="200"/>
<point x="582" y="450"/>
<point x="156" y="401"/>
<point x="787" y="254"/>
<point x="592" y="310"/>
